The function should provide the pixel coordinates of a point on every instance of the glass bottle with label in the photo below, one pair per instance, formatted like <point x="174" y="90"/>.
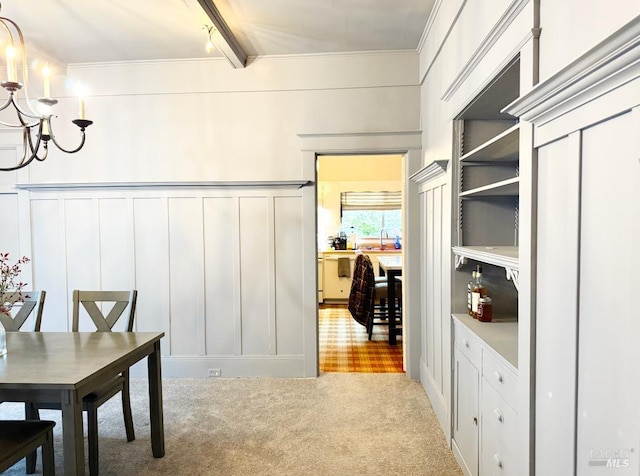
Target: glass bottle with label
<point x="478" y="290"/>
<point x="469" y="290"/>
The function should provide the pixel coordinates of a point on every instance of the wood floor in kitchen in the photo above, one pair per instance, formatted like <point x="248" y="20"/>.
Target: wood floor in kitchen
<point x="344" y="344"/>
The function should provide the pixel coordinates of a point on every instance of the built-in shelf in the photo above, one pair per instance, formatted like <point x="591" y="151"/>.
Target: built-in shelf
<point x="504" y="256"/>
<point x="502" y="148"/>
<point x="501" y="334"/>
<point x="504" y="188"/>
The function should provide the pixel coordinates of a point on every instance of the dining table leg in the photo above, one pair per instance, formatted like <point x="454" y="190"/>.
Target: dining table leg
<point x="72" y="433"/>
<point x="155" y="402"/>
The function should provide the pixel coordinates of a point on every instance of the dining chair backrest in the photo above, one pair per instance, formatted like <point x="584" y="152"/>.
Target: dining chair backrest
<point x="30" y="301"/>
<point x="122" y="300"/>
<point x="360" y="303"/>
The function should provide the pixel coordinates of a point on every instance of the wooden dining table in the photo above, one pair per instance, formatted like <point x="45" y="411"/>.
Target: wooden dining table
<point x="65" y="366"/>
<point x="392" y="267"/>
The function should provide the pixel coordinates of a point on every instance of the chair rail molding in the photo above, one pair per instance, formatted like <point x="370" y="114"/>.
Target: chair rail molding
<point x="292" y="184"/>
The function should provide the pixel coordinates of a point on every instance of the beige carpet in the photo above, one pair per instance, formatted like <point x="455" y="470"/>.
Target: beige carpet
<point x="337" y="424"/>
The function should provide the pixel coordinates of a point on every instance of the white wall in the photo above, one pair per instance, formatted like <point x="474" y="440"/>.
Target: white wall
<point x="203" y="120"/>
<point x="578" y="26"/>
<point x="220" y="267"/>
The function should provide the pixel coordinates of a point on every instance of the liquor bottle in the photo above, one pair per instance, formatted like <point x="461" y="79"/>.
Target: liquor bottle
<point x="477" y="291"/>
<point x="469" y="290"/>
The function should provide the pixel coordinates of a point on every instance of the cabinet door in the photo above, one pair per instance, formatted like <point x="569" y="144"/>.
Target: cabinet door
<point x="465" y="410"/>
<point x="335" y="287"/>
<point x="498" y="434"/>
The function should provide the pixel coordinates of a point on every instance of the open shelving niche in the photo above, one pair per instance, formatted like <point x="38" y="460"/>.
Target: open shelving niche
<point x="486" y="223"/>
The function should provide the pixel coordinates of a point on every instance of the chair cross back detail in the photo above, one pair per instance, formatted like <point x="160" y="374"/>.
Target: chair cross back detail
<point x="31" y="300"/>
<point x="89" y="300"/>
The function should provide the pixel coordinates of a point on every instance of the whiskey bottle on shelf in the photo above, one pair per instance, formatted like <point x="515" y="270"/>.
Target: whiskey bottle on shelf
<point x="478" y="290"/>
<point x="469" y="291"/>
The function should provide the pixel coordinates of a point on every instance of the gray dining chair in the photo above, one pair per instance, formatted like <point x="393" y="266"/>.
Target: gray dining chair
<point x="24" y="304"/>
<point x="89" y="301"/>
<point x="19" y="438"/>
<point x="31" y="301"/>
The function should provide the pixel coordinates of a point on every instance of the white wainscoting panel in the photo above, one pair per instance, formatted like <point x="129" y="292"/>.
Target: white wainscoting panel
<point x="288" y="275"/>
<point x="186" y="249"/>
<point x="557" y="312"/>
<point x="9" y="239"/>
<point x="608" y="415"/>
<point x="222" y="266"/>
<point x="255" y="276"/>
<point x="49" y="260"/>
<point x="117" y="261"/>
<point x="219" y="270"/>
<point x="82" y="250"/>
<point x="152" y="277"/>
<point x="436" y="319"/>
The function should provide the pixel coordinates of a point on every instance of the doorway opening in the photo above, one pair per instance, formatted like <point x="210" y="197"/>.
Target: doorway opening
<point x="359" y="211"/>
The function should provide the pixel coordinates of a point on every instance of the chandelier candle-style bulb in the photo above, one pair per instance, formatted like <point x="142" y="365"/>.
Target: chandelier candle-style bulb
<point x="33" y="119"/>
<point x="12" y="75"/>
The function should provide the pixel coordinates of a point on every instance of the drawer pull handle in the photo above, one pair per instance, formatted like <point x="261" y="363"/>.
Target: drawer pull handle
<point x="498" y="460"/>
<point x="499" y="415"/>
<point x="465" y="342"/>
<point x="475" y="421"/>
<point x="498" y="376"/>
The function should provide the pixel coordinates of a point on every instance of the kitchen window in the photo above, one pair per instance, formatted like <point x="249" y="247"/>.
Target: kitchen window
<point x="368" y="213"/>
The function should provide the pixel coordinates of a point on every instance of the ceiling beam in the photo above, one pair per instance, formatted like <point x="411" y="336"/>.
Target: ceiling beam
<point x="229" y="46"/>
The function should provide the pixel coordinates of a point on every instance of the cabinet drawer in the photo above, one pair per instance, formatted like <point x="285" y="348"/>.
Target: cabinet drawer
<point x="468" y="344"/>
<point x="501" y="377"/>
<point x="498" y="426"/>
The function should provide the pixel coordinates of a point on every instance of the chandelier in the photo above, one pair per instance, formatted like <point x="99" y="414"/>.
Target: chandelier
<point x="34" y="122"/>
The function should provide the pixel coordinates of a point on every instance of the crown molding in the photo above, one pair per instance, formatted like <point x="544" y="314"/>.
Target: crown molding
<point x="608" y="66"/>
<point x="507" y="18"/>
<point x="434" y="170"/>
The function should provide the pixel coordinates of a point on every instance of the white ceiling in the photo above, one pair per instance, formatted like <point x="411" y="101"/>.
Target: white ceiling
<point x="81" y="31"/>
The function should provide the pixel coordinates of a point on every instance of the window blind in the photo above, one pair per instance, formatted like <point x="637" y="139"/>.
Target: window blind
<point x="383" y="200"/>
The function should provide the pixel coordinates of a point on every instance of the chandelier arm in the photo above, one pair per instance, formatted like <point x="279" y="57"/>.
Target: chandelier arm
<point x="21" y="115"/>
<point x="33" y="150"/>
<point x="31" y="114"/>
<point x="68" y="151"/>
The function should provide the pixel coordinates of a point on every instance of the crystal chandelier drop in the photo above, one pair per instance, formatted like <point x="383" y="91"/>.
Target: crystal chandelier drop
<point x="34" y="122"/>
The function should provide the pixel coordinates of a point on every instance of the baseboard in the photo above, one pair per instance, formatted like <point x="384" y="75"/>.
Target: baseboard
<point x="198" y="367"/>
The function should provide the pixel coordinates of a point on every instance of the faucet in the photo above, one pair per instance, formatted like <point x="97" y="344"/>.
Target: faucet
<point x="386" y="235"/>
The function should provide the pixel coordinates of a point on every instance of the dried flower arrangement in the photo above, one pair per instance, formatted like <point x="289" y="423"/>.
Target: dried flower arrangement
<point x="9" y="283"/>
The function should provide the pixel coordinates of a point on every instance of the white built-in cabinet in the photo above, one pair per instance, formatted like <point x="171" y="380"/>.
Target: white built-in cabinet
<point x="486" y="232"/>
<point x="587" y="119"/>
<point x="485" y="423"/>
<point x="477" y="210"/>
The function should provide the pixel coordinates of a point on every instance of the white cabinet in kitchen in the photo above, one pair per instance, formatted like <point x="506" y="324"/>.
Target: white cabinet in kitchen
<point x="336" y="287"/>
